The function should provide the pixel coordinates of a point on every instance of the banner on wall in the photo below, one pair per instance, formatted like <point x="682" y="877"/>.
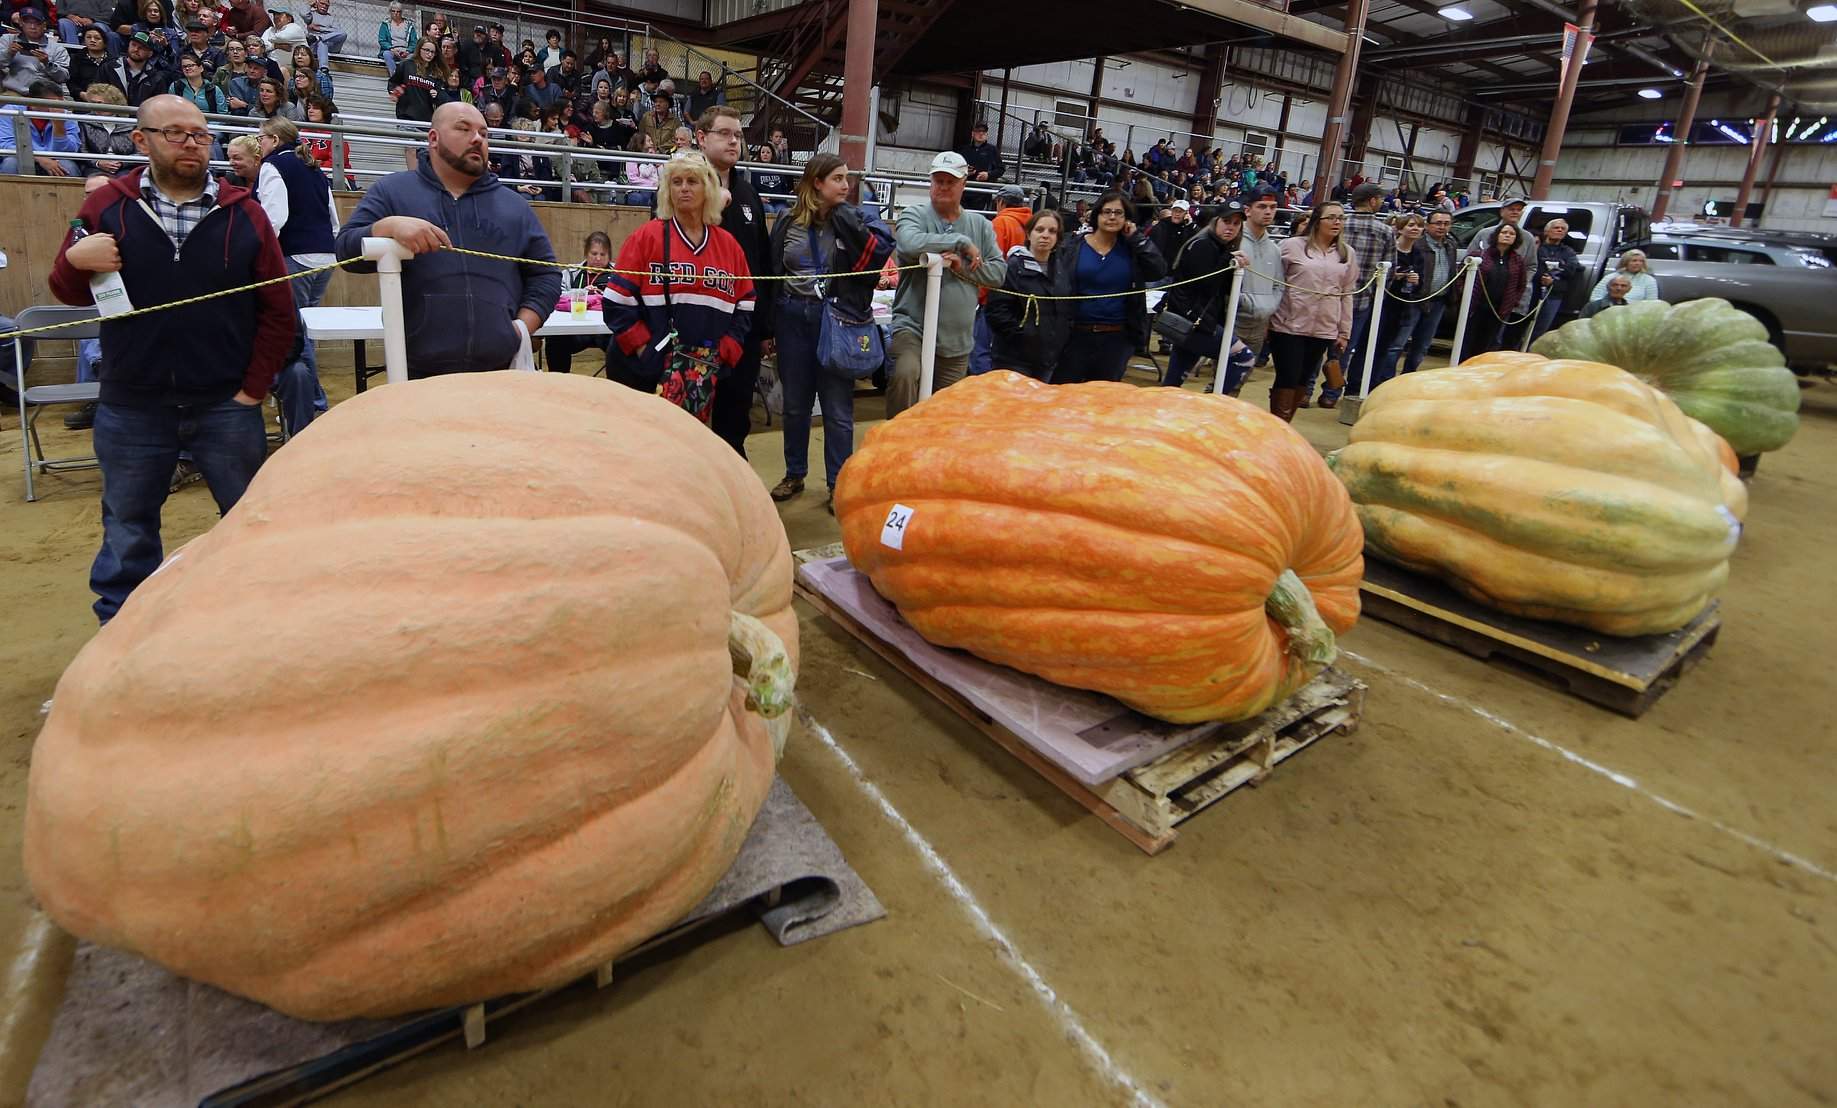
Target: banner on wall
<point x="1575" y="45"/>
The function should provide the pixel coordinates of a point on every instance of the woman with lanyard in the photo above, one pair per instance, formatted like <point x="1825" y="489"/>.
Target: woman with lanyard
<point x="1501" y="282"/>
<point x="1029" y="326"/>
<point x="822" y="233"/>
<point x="587" y="278"/>
<point x="681" y="301"/>
<point x="1112" y="264"/>
<point x="1316" y="309"/>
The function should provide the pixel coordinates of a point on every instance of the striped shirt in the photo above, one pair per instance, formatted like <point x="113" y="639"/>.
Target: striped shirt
<point x="178" y="217"/>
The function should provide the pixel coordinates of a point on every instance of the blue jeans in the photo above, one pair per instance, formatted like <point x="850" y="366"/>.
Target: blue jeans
<point x="799" y="320"/>
<point x="1399" y="323"/>
<point x="1546" y="316"/>
<point x="138" y="448"/>
<point x="1179" y="364"/>
<point x="328" y="42"/>
<point x="643" y="198"/>
<point x="89" y="352"/>
<point x="11" y="164"/>
<point x="301" y="396"/>
<point x="1413" y="344"/>
<point x="982" y="357"/>
<point x="1361" y="322"/>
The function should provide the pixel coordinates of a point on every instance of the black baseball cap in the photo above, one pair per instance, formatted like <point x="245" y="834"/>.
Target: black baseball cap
<point x="1264" y="192"/>
<point x="1230" y="209"/>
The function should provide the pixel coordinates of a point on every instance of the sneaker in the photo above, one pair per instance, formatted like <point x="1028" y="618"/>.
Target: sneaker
<point x="788" y="488"/>
<point x="83" y="418"/>
<point x="830" y="504"/>
<point x="184" y="474"/>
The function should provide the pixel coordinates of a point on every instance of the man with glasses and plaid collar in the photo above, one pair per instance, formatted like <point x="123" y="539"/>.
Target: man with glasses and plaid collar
<point x="1372" y="241"/>
<point x="181" y="379"/>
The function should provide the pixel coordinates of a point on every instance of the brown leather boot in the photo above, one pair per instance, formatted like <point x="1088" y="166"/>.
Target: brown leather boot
<point x="1283" y="403"/>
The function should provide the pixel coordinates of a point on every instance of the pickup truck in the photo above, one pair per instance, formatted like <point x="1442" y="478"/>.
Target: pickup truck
<point x="1777" y="284"/>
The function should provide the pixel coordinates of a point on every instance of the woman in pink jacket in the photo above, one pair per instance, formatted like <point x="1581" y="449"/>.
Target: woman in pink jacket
<point x="1316" y="309"/>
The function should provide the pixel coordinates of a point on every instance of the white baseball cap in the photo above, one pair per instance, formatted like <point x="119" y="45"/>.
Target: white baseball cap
<point x="1180" y="205"/>
<point x="950" y="162"/>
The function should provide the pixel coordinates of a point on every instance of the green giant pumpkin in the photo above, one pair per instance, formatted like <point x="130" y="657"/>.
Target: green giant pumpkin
<point x="1710" y="357"/>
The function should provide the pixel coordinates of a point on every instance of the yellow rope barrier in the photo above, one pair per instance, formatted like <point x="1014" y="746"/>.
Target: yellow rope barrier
<point x="28" y="331"/>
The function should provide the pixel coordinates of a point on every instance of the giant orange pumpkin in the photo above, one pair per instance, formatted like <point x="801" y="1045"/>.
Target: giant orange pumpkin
<point x="1188" y="554"/>
<point x="443" y="709"/>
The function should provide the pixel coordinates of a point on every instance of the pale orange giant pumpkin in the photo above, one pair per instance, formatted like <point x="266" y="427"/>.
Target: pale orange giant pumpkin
<point x="1188" y="554"/>
<point x="443" y="709"/>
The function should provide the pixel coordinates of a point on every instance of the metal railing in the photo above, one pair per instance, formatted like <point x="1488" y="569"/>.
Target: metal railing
<point x="524" y="19"/>
<point x="371" y="134"/>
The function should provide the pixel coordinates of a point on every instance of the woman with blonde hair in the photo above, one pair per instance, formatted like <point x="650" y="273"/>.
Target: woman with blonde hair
<point x="682" y="323"/>
<point x="297" y="199"/>
<point x="1632" y="266"/>
<point x="822" y="233"/>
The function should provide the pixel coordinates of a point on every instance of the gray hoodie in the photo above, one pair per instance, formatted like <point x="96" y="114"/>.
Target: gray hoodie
<point x="459" y="308"/>
<point x="921" y="230"/>
<point x="1261" y="293"/>
<point x="22" y="68"/>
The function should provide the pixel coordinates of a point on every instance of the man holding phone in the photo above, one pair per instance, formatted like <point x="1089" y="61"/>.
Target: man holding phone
<point x="1558" y="269"/>
<point x="31" y="55"/>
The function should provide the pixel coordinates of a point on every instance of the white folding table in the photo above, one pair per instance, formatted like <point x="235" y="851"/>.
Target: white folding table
<point x="358" y="325"/>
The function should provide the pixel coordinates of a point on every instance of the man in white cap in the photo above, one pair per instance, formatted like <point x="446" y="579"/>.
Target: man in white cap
<point x="971" y="260"/>
<point x="1170" y="234"/>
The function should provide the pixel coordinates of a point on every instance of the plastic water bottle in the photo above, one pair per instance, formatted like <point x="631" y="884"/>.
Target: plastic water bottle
<point x="108" y="289"/>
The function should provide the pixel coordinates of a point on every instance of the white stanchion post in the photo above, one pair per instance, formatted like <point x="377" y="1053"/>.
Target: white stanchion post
<point x="928" y="346"/>
<point x="1460" y="321"/>
<point x="1229" y="326"/>
<point x="388" y="254"/>
<point x="1371" y="332"/>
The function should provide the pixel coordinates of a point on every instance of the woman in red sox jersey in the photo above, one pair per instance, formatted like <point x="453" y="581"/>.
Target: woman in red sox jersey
<point x="708" y="302"/>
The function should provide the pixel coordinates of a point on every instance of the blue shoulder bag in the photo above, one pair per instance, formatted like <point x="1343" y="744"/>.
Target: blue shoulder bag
<point x="847" y="343"/>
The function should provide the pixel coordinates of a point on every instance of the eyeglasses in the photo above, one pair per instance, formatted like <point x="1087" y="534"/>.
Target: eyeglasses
<point x="728" y="132"/>
<point x="179" y="136"/>
<point x="1118" y="212"/>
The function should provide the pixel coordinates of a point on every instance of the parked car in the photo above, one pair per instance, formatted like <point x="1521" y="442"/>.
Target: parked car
<point x="1773" y="276"/>
<point x="1789" y="288"/>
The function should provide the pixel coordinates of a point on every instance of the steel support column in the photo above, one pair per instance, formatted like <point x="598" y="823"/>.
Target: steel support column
<point x="1680" y="138"/>
<point x="858" y="79"/>
<point x="1469" y="154"/>
<point x="1282" y="123"/>
<point x="1364" y="114"/>
<point x="1565" y="97"/>
<point x="1205" y="98"/>
<point x="1763" y="133"/>
<point x="1326" y="173"/>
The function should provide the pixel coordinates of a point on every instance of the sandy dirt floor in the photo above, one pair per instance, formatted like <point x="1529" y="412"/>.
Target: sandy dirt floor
<point x="1491" y="893"/>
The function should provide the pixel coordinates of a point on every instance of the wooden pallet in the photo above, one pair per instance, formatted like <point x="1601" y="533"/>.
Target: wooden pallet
<point x="1624" y="675"/>
<point x="1147" y="804"/>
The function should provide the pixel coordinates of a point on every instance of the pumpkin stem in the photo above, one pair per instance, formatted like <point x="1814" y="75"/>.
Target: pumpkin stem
<point x="759" y="660"/>
<point x="1292" y="605"/>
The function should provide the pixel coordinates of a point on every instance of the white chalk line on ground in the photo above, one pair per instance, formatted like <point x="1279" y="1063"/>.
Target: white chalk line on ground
<point x="1068" y="1020"/>
<point x="1625" y="781"/>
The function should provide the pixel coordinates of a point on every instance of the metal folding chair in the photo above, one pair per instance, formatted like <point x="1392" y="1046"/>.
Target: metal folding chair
<point x="46" y="396"/>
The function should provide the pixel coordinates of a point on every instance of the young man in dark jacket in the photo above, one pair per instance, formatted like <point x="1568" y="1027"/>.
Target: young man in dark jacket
<point x="1202" y="301"/>
<point x="722" y="140"/>
<point x="462" y="312"/>
<point x="190" y="378"/>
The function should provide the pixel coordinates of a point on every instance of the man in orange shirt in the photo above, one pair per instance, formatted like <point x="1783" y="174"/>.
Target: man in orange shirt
<point x="1010" y="226"/>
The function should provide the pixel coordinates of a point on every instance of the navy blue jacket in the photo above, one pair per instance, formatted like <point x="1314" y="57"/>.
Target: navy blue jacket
<point x="459" y="308"/>
<point x="309" y="205"/>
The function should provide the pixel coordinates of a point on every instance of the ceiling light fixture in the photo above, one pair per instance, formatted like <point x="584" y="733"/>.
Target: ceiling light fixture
<point x="1456" y="13"/>
<point x="1822" y="13"/>
<point x="1650" y="94"/>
